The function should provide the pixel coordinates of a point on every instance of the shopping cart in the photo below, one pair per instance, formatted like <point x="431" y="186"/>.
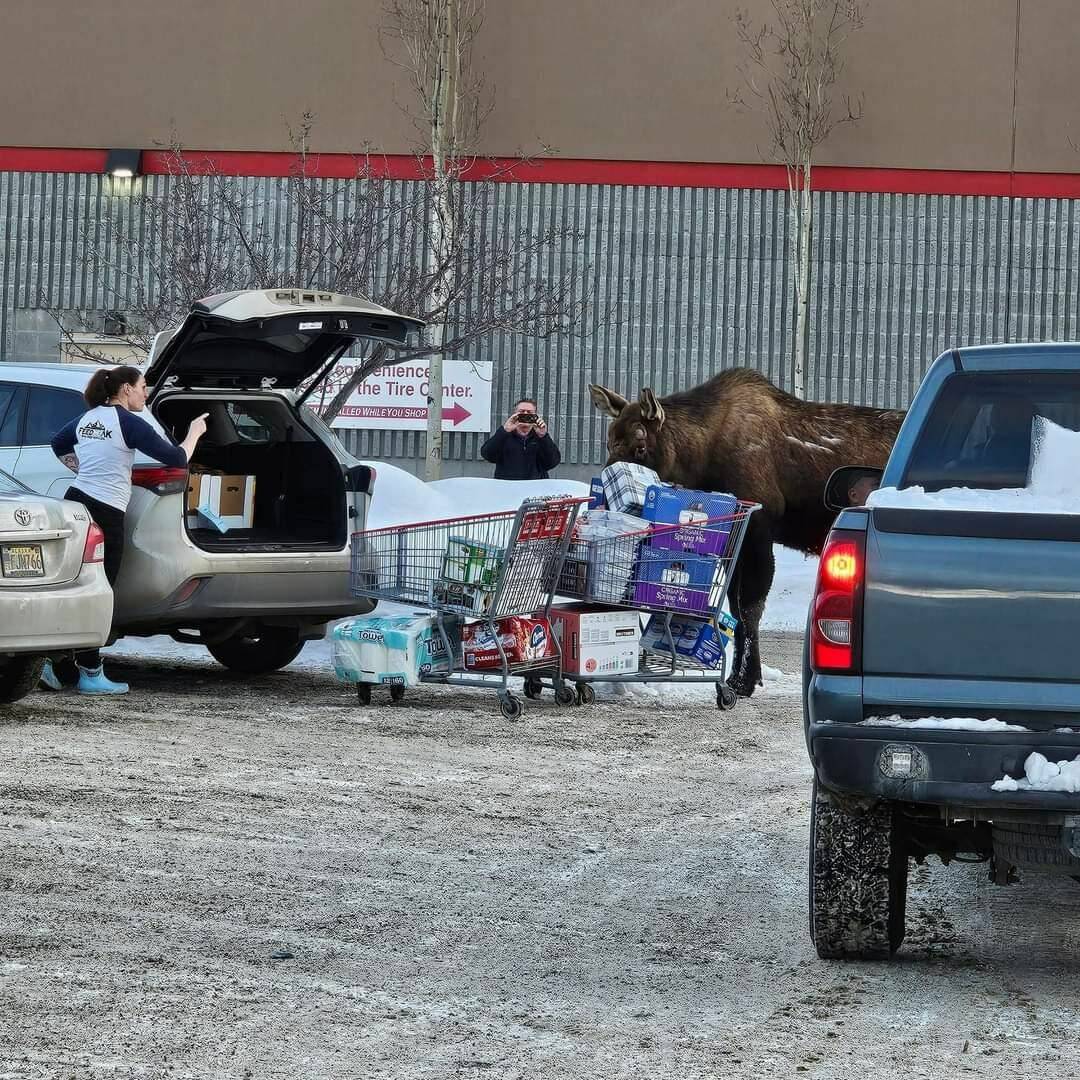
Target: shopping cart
<point x="684" y="591"/>
<point x="473" y="571"/>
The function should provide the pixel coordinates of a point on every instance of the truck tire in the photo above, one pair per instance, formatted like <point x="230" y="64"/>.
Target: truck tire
<point x="858" y="880"/>
<point x="259" y="652"/>
<point x="19" y="676"/>
<point x="1036" y="846"/>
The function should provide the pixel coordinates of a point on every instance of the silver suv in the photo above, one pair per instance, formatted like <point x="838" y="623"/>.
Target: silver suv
<point x="254" y="583"/>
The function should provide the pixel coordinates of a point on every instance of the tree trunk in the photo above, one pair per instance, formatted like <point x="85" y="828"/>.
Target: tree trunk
<point x="440" y="225"/>
<point x="804" y="224"/>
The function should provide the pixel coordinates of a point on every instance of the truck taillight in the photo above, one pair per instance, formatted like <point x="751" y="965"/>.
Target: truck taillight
<point x="159" y="479"/>
<point x="835" y="630"/>
<point x="94" y="548"/>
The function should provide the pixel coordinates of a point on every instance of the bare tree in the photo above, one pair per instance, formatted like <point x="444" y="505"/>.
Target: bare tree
<point x="433" y="41"/>
<point x="195" y="232"/>
<point x="790" y="68"/>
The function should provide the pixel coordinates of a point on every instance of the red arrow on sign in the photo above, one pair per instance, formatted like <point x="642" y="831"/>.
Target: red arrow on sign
<point x="457" y="414"/>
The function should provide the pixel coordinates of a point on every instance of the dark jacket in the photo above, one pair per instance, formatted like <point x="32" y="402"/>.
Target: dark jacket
<point x="516" y="458"/>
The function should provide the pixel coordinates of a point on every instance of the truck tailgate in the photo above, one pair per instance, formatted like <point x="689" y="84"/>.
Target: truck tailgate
<point x="972" y="595"/>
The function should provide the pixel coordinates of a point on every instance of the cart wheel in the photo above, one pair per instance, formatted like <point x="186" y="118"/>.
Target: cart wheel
<point x="726" y="698"/>
<point x="534" y="688"/>
<point x="363" y="692"/>
<point x="397" y="693"/>
<point x="510" y="706"/>
<point x="565" y="695"/>
<point x="586" y="695"/>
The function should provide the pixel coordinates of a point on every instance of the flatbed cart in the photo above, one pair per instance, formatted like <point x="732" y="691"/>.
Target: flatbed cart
<point x="500" y="565"/>
<point x="633" y="571"/>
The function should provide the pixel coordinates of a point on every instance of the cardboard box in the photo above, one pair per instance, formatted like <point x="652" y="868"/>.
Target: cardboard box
<point x="463" y="599"/>
<point x="523" y="639"/>
<point x="676" y="581"/>
<point x="472" y="563"/>
<point x="596" y="494"/>
<point x="693" y="513"/>
<point x="696" y="640"/>
<point x="194" y="485"/>
<point x="227" y="501"/>
<point x="397" y="649"/>
<point x="596" y="641"/>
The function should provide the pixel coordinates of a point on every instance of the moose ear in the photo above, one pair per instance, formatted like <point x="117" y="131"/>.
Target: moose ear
<point x="607" y="401"/>
<point x="651" y="409"/>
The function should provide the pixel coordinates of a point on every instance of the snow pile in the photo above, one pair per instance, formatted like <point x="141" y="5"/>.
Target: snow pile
<point x="950" y="723"/>
<point x="403" y="499"/>
<point x="1051" y="487"/>
<point x="1043" y="775"/>
<point x="1055" y="452"/>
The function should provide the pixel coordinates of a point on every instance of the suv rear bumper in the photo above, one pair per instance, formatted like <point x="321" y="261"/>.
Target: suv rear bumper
<point x="311" y="596"/>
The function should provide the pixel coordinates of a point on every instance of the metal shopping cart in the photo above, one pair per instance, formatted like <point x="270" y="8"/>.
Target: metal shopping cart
<point x="472" y="572"/>
<point x="678" y="574"/>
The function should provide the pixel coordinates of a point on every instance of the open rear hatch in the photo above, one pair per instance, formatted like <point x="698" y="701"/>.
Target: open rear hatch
<point x="261" y="478"/>
<point x="268" y="339"/>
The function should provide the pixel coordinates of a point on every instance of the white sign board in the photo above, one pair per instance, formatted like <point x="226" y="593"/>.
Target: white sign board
<point x="396" y="396"/>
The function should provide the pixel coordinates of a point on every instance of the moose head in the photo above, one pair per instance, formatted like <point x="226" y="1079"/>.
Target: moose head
<point x="635" y="429"/>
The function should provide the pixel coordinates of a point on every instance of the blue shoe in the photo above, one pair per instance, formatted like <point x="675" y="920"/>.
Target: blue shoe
<point x="93" y="681"/>
<point x="49" y="681"/>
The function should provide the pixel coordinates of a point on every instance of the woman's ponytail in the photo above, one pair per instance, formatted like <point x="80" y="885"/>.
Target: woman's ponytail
<point x="106" y="382"/>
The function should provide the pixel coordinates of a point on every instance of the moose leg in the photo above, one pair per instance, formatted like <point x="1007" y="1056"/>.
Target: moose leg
<point x="751" y="587"/>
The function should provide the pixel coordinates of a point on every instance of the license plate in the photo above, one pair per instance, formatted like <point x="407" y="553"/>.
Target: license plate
<point x="22" y="560"/>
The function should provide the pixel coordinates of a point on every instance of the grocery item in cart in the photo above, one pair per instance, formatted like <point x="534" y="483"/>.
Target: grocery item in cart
<point x="460" y="598"/>
<point x="470" y="562"/>
<point x="596" y="494"/>
<point x="698" y="521"/>
<point x="625" y="484"/>
<point x="395" y="649"/>
<point x="611" y="542"/>
<point x="696" y="640"/>
<point x="595" y="640"/>
<point x="676" y="580"/>
<point x="524" y="639"/>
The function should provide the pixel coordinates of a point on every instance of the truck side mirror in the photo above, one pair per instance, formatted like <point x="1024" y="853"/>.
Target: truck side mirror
<point x="850" y="486"/>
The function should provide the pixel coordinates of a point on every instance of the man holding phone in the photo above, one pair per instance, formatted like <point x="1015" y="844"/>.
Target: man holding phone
<point x="522" y="449"/>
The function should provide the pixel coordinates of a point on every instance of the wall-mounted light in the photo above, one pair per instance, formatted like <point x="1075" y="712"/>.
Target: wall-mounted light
<point x="123" y="164"/>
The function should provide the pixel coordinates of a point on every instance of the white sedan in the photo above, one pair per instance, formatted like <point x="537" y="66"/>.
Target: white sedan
<point x="54" y="595"/>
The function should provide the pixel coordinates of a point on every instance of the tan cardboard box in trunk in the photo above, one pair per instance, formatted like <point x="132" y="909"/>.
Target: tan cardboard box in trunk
<point x="227" y="501"/>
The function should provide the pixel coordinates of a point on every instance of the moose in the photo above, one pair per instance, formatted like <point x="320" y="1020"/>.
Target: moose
<point x="741" y="434"/>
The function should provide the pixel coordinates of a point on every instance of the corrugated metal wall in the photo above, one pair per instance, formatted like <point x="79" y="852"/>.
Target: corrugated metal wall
<point x="686" y="282"/>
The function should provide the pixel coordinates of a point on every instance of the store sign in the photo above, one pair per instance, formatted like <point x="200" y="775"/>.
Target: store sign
<point x="396" y="396"/>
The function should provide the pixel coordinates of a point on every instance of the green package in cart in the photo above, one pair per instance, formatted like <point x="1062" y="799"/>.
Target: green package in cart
<point x="470" y="562"/>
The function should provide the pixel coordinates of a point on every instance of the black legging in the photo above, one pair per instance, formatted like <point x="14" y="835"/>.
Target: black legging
<point x="111" y="522"/>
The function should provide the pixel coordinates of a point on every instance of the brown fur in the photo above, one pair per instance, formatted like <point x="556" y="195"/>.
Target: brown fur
<point x="741" y="434"/>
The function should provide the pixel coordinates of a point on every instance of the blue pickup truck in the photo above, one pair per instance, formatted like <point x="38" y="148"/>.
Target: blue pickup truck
<point x="943" y="651"/>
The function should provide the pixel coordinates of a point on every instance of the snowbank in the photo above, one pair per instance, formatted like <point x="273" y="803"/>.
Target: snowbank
<point x="1051" y="488"/>
<point x="951" y="723"/>
<point x="1043" y="775"/>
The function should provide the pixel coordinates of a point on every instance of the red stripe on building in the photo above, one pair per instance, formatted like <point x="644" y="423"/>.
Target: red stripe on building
<point x="570" y="171"/>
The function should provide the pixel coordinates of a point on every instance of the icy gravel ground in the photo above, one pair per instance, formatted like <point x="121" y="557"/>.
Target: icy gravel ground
<point x="228" y="878"/>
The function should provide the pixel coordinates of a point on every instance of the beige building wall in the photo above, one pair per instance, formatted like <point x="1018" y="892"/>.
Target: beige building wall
<point x="615" y="79"/>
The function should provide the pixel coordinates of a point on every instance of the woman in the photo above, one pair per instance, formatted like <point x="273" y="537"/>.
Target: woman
<point x="99" y="447"/>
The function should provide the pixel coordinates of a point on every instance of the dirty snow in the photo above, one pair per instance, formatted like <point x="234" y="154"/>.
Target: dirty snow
<point x="951" y="723"/>
<point x="1043" y="775"/>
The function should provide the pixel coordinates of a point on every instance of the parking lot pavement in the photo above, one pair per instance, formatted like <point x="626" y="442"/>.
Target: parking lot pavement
<point x="227" y="878"/>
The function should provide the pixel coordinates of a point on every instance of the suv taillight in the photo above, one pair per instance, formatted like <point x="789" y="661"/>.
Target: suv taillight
<point x="836" y="610"/>
<point x="159" y="479"/>
<point x="94" y="548"/>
